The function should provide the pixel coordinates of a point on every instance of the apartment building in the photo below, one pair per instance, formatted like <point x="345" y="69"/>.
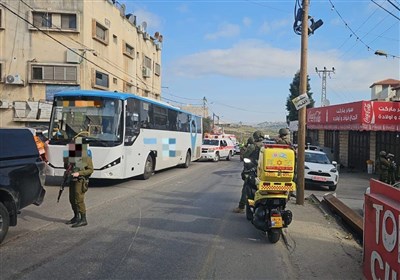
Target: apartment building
<point x="48" y="46"/>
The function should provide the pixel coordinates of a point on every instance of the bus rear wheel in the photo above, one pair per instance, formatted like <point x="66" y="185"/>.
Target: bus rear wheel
<point x="148" y="168"/>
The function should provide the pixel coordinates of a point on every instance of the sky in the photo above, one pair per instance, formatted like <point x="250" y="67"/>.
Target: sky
<point x="242" y="55"/>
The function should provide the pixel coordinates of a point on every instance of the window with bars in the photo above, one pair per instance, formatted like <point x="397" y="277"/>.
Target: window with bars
<point x="55" y="21"/>
<point x="54" y="73"/>
<point x="128" y="50"/>
<point x="42" y="19"/>
<point x="157" y="69"/>
<point x="100" y="32"/>
<point x="101" y="80"/>
<point x="147" y="62"/>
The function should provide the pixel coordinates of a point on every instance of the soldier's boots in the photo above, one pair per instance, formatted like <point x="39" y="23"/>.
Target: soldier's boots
<point x="75" y="219"/>
<point x="82" y="222"/>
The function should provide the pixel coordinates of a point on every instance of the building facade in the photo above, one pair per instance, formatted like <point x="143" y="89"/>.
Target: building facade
<point x="356" y="132"/>
<point x="49" y="46"/>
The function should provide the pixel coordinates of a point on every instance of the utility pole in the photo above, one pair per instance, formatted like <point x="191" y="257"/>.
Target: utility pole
<point x="204" y="107"/>
<point x="302" y="112"/>
<point x="323" y="93"/>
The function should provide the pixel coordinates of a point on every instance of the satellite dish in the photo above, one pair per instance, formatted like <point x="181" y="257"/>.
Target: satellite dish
<point x="160" y="38"/>
<point x="132" y="19"/>
<point x="157" y="35"/>
<point x="144" y="25"/>
<point x="122" y="9"/>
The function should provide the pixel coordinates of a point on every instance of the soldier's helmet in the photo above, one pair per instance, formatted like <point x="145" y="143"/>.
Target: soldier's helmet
<point x="283" y="132"/>
<point x="382" y="153"/>
<point x="258" y="135"/>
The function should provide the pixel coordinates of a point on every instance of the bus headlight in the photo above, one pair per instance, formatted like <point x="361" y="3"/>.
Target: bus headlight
<point x="111" y="164"/>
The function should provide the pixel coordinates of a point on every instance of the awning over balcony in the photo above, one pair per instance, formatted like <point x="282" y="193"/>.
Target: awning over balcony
<point x="361" y="115"/>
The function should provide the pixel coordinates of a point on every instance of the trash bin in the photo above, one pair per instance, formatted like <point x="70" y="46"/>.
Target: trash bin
<point x="370" y="166"/>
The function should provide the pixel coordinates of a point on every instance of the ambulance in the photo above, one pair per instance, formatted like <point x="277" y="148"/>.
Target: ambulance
<point x="216" y="147"/>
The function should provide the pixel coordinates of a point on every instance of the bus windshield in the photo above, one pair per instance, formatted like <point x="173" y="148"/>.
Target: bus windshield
<point x="97" y="120"/>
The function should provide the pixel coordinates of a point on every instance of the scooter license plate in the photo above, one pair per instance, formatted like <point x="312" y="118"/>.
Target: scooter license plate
<point x="276" y="222"/>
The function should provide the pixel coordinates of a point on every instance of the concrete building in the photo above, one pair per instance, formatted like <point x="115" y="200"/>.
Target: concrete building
<point x="356" y="132"/>
<point x="48" y="46"/>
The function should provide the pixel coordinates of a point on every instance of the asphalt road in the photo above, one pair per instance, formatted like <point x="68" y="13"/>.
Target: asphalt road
<point x="176" y="225"/>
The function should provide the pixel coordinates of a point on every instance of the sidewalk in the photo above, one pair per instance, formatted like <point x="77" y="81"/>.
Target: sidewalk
<point x="319" y="247"/>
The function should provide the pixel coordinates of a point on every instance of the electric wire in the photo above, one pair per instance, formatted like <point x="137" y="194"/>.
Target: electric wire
<point x="393" y="5"/>
<point x="354" y="33"/>
<point x="383" y="8"/>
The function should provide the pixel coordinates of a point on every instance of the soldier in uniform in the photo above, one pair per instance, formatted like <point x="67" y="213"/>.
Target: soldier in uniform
<point x="283" y="137"/>
<point x="252" y="152"/>
<point x="79" y="160"/>
<point x="384" y="166"/>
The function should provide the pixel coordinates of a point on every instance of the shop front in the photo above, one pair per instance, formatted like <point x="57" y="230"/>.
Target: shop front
<point x="357" y="131"/>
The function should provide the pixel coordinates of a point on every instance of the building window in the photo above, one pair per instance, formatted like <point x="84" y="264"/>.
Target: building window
<point x="115" y="39"/>
<point x="1" y="19"/>
<point x="54" y="21"/>
<point x="147" y="62"/>
<point x="157" y="69"/>
<point x="1" y="71"/>
<point x="101" y="80"/>
<point x="115" y="81"/>
<point x="42" y="20"/>
<point x="68" y="21"/>
<point x="54" y="74"/>
<point x="128" y="50"/>
<point x="100" y="32"/>
<point x="128" y="87"/>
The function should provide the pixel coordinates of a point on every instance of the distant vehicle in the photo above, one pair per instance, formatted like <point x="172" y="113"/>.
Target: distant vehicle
<point x="22" y="175"/>
<point x="319" y="170"/>
<point x="128" y="135"/>
<point x="269" y="141"/>
<point x="215" y="149"/>
<point x="237" y="149"/>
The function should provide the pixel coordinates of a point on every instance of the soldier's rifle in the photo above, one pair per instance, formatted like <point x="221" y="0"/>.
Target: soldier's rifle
<point x="67" y="178"/>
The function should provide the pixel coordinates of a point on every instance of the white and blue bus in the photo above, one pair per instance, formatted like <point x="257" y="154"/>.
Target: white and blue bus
<point x="128" y="135"/>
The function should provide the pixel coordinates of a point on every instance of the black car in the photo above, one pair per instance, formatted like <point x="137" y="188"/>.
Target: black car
<point x="22" y="175"/>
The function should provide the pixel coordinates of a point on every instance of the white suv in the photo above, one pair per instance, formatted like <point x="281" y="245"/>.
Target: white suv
<point x="319" y="170"/>
<point x="215" y="149"/>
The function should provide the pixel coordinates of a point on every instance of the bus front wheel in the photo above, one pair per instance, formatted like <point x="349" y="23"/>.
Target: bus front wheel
<point x="187" y="160"/>
<point x="148" y="168"/>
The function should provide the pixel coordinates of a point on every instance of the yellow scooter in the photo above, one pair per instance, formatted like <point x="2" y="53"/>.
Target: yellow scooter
<point x="268" y="195"/>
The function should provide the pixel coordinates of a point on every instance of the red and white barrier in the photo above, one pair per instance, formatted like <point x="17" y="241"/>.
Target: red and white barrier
<point x="382" y="232"/>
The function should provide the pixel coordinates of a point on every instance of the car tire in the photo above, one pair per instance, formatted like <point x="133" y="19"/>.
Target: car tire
<point x="148" y="168"/>
<point x="228" y="157"/>
<point x="4" y="222"/>
<point x="332" y="188"/>
<point x="216" y="157"/>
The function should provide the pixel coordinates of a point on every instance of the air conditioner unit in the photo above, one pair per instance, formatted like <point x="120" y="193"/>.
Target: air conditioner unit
<point x="14" y="80"/>
<point x="140" y="29"/>
<point x="146" y="72"/>
<point x="4" y="104"/>
<point x="146" y="36"/>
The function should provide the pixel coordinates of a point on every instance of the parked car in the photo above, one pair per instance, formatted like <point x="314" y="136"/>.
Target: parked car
<point x="319" y="170"/>
<point x="22" y="175"/>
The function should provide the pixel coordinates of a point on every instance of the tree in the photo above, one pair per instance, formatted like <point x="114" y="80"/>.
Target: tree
<point x="294" y="92"/>
<point x="207" y="125"/>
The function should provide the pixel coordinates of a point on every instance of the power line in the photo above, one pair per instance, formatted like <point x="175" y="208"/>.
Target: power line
<point x="385" y="10"/>
<point x="354" y="33"/>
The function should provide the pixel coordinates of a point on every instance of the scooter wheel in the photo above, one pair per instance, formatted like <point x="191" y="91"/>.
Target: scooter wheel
<point x="274" y="235"/>
<point x="249" y="213"/>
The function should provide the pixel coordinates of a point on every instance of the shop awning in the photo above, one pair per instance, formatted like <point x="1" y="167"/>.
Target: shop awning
<point x="361" y="115"/>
